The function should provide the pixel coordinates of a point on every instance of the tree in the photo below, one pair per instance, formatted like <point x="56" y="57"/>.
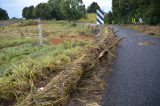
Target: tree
<point x="30" y="14"/>
<point x="42" y="11"/>
<point x="55" y="9"/>
<point x="108" y="18"/>
<point x="93" y="7"/>
<point x="24" y="12"/>
<point x="27" y="12"/>
<point x="3" y="14"/>
<point x="72" y="9"/>
<point x="125" y="10"/>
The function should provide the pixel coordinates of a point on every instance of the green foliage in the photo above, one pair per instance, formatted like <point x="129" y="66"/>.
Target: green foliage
<point x="125" y="10"/>
<point x="108" y="19"/>
<point x="27" y="12"/>
<point x="72" y="9"/>
<point x="3" y="14"/>
<point x="24" y="12"/>
<point x="56" y="9"/>
<point x="93" y="7"/>
<point x="42" y="11"/>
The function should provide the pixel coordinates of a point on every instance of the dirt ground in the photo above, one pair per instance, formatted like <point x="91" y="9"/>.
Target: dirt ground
<point x="56" y="40"/>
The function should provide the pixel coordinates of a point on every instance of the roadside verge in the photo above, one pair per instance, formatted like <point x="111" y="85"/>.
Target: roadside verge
<point x="60" y="90"/>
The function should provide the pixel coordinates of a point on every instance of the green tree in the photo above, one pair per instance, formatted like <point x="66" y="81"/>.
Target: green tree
<point x="93" y="7"/>
<point x="27" y="12"/>
<point x="42" y="11"/>
<point x="3" y="14"/>
<point x="30" y="14"/>
<point x="125" y="10"/>
<point x="72" y="9"/>
<point x="55" y="9"/>
<point x="108" y="18"/>
<point x="24" y="12"/>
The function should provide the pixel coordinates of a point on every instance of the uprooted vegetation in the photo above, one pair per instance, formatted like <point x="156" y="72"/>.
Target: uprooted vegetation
<point x="58" y="91"/>
<point x="70" y="63"/>
<point x="23" y="63"/>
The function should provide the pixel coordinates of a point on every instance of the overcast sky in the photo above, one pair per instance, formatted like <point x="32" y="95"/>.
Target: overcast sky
<point x="14" y="7"/>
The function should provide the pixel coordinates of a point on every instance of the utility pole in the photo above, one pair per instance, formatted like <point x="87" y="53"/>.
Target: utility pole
<point x="40" y="32"/>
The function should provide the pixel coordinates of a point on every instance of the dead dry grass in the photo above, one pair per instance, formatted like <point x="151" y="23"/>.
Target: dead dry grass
<point x="147" y="43"/>
<point x="146" y="29"/>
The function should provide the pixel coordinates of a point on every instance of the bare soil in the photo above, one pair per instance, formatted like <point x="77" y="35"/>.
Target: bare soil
<point x="56" y="40"/>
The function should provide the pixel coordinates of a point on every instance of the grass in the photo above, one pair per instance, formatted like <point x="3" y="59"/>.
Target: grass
<point x="21" y="73"/>
<point x="22" y="60"/>
<point x="91" y="18"/>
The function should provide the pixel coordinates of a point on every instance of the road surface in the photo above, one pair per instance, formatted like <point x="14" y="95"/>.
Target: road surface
<point x="135" y="80"/>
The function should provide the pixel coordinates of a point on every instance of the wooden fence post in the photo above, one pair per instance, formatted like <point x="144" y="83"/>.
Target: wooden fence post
<point x="40" y="32"/>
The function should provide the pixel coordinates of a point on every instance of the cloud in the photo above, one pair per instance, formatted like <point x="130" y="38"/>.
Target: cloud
<point x="14" y="7"/>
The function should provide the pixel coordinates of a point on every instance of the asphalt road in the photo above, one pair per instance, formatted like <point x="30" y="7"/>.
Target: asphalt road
<point x="135" y="80"/>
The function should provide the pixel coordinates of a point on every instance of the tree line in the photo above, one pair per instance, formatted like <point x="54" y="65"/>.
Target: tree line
<point x="59" y="10"/>
<point x="124" y="10"/>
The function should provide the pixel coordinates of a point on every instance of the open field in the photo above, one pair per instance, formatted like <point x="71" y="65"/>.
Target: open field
<point x="22" y="59"/>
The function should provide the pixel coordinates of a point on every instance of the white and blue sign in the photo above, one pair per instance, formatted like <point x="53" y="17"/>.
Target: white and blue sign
<point x="100" y="17"/>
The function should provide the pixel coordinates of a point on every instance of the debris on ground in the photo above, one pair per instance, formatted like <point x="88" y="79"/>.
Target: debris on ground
<point x="147" y="43"/>
<point x="146" y="29"/>
<point x="84" y="77"/>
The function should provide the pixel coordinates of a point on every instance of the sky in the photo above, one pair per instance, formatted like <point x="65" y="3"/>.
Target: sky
<point x="14" y="7"/>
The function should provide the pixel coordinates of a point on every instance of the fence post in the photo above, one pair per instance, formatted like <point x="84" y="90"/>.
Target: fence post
<point x="40" y="32"/>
